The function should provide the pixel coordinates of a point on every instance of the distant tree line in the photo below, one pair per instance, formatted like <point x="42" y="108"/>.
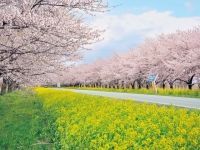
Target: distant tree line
<point x="175" y="58"/>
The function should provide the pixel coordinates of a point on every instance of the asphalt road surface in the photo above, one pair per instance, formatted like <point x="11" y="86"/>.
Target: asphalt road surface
<point x="163" y="100"/>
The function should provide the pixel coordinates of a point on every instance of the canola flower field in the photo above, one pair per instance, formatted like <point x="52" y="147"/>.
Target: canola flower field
<point x="82" y="121"/>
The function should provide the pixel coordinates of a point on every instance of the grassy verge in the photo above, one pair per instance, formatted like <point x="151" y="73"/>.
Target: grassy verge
<point x="23" y="124"/>
<point x="165" y="92"/>
<point x="103" y="123"/>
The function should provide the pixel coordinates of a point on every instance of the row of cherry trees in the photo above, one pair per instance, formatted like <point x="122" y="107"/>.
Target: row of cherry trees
<point x="175" y="58"/>
<point x="38" y="37"/>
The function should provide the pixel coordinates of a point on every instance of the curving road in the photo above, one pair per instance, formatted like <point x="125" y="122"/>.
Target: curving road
<point x="164" y="100"/>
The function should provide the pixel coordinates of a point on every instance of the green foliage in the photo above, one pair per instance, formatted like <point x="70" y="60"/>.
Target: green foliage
<point x="103" y="123"/>
<point x="165" y="92"/>
<point x="23" y="124"/>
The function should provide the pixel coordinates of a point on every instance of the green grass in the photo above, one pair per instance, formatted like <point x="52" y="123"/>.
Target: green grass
<point x="195" y="93"/>
<point x="23" y="123"/>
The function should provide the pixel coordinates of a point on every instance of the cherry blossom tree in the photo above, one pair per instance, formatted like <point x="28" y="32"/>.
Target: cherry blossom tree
<point x="173" y="57"/>
<point x="180" y="59"/>
<point x="38" y="37"/>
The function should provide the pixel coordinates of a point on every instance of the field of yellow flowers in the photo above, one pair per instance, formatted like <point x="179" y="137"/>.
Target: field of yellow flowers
<point x="93" y="122"/>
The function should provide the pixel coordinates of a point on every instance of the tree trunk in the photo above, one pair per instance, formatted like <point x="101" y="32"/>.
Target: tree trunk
<point x="1" y="85"/>
<point x="163" y="85"/>
<point x="139" y="83"/>
<point x="133" y="85"/>
<point x="107" y="86"/>
<point x="190" y="82"/>
<point x="147" y="86"/>
<point x="122" y="85"/>
<point x="171" y="85"/>
<point x="7" y="87"/>
<point x="190" y="86"/>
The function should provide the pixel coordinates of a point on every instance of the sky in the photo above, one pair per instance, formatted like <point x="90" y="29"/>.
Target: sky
<point x="129" y="22"/>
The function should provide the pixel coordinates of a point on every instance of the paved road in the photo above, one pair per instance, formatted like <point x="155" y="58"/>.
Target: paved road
<point x="164" y="100"/>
